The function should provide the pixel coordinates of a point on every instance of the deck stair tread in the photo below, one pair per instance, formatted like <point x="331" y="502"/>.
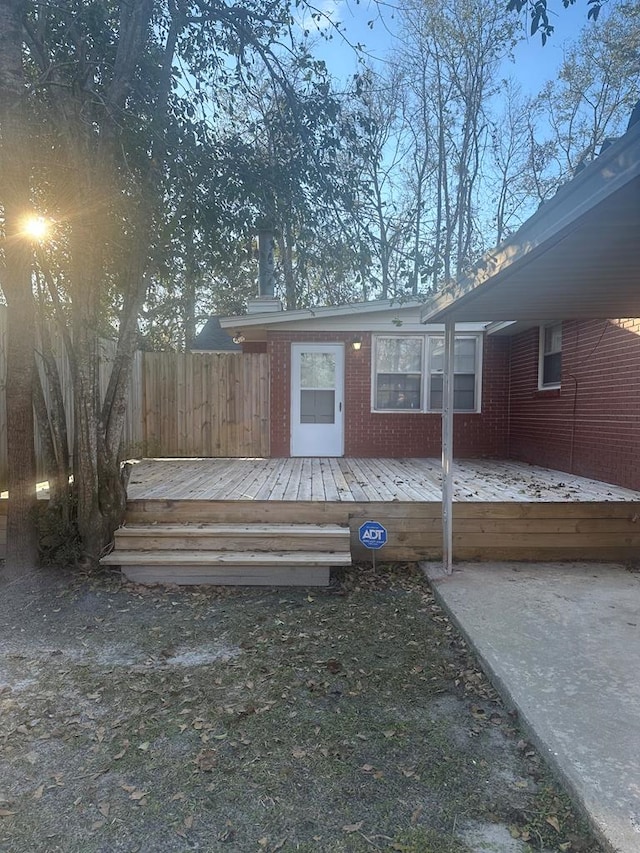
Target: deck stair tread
<point x="233" y="537"/>
<point x="264" y="558"/>
<point x="200" y="528"/>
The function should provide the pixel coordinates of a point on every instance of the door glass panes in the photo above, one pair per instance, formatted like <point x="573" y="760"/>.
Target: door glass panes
<point x="317" y="384"/>
<point x="317" y="370"/>
<point x="317" y="407"/>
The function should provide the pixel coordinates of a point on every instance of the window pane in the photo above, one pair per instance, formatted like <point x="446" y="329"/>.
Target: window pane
<point x="399" y="355"/>
<point x="553" y="338"/>
<point x="435" y="396"/>
<point x="464" y="355"/>
<point x="552" y="369"/>
<point x="317" y="370"/>
<point x="436" y="355"/>
<point x="464" y="392"/>
<point x="394" y="391"/>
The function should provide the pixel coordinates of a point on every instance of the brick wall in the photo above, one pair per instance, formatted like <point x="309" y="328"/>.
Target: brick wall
<point x="393" y="434"/>
<point x="591" y="426"/>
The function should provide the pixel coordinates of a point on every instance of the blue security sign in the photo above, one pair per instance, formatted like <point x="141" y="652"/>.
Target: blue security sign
<point x="372" y="534"/>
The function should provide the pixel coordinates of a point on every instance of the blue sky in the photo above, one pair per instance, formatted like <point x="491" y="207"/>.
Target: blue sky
<point x="533" y="65"/>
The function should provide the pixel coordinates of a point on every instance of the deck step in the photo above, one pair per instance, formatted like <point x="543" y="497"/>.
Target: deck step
<point x="205" y="558"/>
<point x="233" y="537"/>
<point x="262" y="568"/>
<point x="260" y="553"/>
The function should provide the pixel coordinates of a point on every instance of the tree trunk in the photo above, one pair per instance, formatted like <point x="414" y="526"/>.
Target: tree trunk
<point x="22" y="546"/>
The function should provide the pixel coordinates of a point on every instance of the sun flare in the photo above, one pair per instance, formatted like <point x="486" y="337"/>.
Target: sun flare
<point x="36" y="227"/>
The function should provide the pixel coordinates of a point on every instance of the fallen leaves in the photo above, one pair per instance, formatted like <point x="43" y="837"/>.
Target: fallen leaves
<point x="553" y="821"/>
<point x="370" y="694"/>
<point x="206" y="760"/>
<point x="353" y="827"/>
<point x="138" y="795"/>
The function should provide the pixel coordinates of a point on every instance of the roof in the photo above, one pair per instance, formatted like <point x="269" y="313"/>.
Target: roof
<point x="382" y="315"/>
<point x="213" y="338"/>
<point x="274" y="318"/>
<point x="577" y="257"/>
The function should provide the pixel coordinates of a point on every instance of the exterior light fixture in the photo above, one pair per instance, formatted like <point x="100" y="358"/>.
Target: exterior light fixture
<point x="356" y="343"/>
<point x="238" y="338"/>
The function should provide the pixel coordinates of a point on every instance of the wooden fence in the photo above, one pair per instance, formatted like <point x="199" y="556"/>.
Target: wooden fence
<point x="206" y="404"/>
<point x="180" y="404"/>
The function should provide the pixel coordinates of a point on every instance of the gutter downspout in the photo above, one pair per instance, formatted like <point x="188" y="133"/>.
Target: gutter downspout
<point x="447" y="446"/>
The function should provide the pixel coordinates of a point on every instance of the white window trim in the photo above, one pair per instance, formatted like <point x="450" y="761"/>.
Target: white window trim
<point x="549" y="386"/>
<point x="477" y="336"/>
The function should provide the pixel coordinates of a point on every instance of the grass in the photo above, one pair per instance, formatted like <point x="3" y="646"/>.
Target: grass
<point x="348" y="719"/>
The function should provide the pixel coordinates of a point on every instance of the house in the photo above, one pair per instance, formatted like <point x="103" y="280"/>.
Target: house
<point x="533" y="357"/>
<point x="547" y="348"/>
<point x="365" y="380"/>
<point x="565" y="291"/>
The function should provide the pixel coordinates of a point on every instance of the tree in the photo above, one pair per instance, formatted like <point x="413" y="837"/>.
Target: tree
<point x="15" y="278"/>
<point x="377" y="205"/>
<point x="592" y="97"/>
<point x="287" y="160"/>
<point x="451" y="56"/>
<point x="126" y="103"/>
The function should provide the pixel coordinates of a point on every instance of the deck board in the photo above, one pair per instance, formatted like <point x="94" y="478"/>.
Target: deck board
<point x="361" y="481"/>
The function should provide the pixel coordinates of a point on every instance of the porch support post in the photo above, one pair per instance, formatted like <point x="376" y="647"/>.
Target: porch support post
<point x="447" y="446"/>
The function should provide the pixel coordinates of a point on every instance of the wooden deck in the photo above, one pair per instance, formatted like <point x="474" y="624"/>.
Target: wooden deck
<point x="502" y="509"/>
<point x="360" y="480"/>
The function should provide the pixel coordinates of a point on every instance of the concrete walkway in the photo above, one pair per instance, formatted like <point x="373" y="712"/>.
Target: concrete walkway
<point x="561" y="643"/>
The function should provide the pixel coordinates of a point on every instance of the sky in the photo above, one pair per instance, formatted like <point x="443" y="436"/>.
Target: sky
<point x="533" y="64"/>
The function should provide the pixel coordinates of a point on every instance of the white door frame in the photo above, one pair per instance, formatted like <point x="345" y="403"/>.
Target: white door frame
<point x="317" y="439"/>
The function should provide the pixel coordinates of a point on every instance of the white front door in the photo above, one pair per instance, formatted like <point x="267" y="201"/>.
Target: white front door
<point x="317" y="389"/>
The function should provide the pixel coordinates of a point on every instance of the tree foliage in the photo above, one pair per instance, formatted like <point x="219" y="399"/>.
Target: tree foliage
<point x="539" y="14"/>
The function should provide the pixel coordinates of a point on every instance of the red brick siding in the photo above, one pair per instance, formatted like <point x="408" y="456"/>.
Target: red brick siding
<point x="591" y="426"/>
<point x="254" y="346"/>
<point x="393" y="434"/>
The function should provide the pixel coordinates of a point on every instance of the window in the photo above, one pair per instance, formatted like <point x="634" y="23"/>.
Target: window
<point x="408" y="373"/>
<point x="398" y="373"/>
<point x="464" y="374"/>
<point x="550" y="358"/>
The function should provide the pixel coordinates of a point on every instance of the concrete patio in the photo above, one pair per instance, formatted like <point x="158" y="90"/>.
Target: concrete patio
<point x="561" y="642"/>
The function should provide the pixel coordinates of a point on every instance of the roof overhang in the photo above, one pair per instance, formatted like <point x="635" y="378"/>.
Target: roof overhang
<point x="577" y="257"/>
<point x="277" y="318"/>
<point x="381" y="316"/>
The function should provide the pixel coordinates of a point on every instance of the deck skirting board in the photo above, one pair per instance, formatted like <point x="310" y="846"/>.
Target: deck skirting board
<point x="592" y="530"/>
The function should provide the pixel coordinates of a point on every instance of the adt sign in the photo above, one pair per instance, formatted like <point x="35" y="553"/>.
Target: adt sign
<point x="372" y="534"/>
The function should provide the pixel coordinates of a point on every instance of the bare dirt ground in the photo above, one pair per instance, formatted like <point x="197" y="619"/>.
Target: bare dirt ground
<point x="347" y="719"/>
